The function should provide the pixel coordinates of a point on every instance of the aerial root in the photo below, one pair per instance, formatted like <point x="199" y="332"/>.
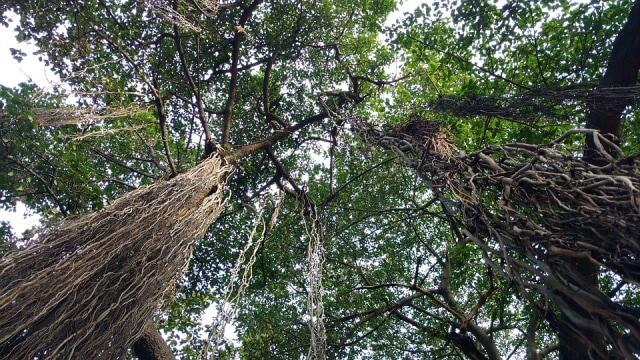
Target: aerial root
<point x="90" y="285"/>
<point x="532" y="206"/>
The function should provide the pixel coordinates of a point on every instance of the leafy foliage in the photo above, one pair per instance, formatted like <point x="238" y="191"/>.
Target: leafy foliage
<point x="400" y="281"/>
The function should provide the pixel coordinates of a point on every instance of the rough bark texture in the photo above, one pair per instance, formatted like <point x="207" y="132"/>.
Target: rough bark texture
<point x="622" y="71"/>
<point x="88" y="287"/>
<point x="494" y="192"/>
<point x="151" y="346"/>
<point x="606" y="116"/>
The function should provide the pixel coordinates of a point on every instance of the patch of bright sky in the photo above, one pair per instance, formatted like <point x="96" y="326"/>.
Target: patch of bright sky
<point x="404" y="7"/>
<point x="13" y="73"/>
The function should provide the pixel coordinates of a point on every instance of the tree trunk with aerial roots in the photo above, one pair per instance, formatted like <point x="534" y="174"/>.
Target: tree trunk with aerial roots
<point x="89" y="287"/>
<point x="532" y="207"/>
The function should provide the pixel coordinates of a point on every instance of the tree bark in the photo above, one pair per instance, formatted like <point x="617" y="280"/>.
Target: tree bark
<point x="622" y="71"/>
<point x="466" y="345"/>
<point x="151" y="345"/>
<point x="606" y="116"/>
<point x="90" y="285"/>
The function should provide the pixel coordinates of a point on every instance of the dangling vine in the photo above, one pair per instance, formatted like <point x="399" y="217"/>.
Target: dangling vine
<point x="227" y="308"/>
<point x="315" y="261"/>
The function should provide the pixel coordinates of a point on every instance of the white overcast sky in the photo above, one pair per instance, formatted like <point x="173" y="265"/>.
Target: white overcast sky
<point x="13" y="72"/>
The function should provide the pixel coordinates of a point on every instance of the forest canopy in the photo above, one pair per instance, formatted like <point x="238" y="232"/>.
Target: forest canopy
<point x="461" y="182"/>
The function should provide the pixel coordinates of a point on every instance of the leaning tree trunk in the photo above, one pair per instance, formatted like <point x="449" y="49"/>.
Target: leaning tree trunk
<point x="88" y="288"/>
<point x="576" y="340"/>
<point x="622" y="72"/>
<point x="529" y="208"/>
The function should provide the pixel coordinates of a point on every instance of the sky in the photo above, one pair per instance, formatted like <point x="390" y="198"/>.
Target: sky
<point x="14" y="72"/>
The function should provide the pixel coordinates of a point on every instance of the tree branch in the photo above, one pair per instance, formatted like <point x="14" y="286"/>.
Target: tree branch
<point x="194" y="88"/>
<point x="151" y="345"/>
<point x="622" y="71"/>
<point x="233" y="81"/>
<point x="162" y="120"/>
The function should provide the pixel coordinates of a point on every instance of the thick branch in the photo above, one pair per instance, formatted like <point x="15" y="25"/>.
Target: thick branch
<point x="343" y="98"/>
<point x="233" y="82"/>
<point x="622" y="71"/>
<point x="194" y="88"/>
<point x="277" y="136"/>
<point x="151" y="346"/>
<point x="233" y="88"/>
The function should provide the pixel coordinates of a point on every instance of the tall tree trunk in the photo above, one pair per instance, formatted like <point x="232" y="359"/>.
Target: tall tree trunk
<point x="622" y="71"/>
<point x="91" y="285"/>
<point x="606" y="116"/>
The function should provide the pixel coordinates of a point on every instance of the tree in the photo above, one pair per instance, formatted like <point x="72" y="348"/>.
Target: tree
<point x="277" y="89"/>
<point x="177" y="211"/>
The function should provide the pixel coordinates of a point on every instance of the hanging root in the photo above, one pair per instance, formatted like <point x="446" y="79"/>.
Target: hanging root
<point x="315" y="308"/>
<point x="209" y="7"/>
<point x="165" y="10"/>
<point x="227" y="308"/>
<point x="83" y="116"/>
<point x="536" y="207"/>
<point x="533" y="105"/>
<point x="87" y="289"/>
